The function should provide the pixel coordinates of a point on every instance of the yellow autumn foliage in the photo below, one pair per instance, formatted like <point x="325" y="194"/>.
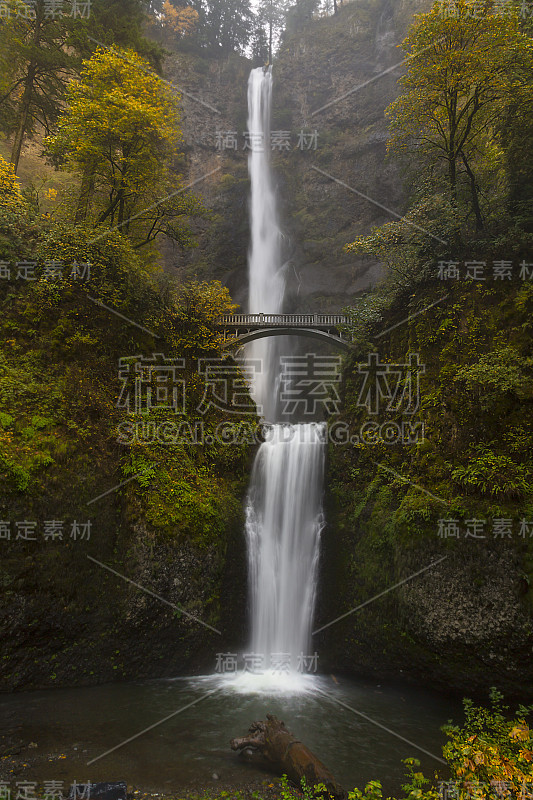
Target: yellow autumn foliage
<point x="10" y="194"/>
<point x="182" y="21"/>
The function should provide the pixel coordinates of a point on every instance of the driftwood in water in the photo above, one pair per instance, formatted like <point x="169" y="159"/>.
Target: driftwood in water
<point x="288" y="756"/>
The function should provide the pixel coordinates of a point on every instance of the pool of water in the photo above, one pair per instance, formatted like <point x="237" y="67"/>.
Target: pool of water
<point x="357" y="728"/>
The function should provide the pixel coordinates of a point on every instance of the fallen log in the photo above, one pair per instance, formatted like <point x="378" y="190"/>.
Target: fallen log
<point x="288" y="756"/>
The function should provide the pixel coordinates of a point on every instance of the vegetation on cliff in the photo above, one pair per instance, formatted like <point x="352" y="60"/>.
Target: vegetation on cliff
<point x="109" y="440"/>
<point x="438" y="392"/>
<point x="88" y="316"/>
<point x="74" y="305"/>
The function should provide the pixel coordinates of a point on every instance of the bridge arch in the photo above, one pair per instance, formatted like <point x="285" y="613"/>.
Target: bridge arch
<point x="251" y="336"/>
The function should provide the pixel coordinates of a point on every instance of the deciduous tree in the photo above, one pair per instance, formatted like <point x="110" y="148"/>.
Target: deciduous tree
<point x="463" y="70"/>
<point x="120" y="132"/>
<point x="181" y="21"/>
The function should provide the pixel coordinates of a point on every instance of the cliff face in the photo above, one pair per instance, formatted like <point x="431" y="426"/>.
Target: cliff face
<point x="335" y="79"/>
<point x="465" y="624"/>
<point x="67" y="621"/>
<point x="462" y="626"/>
<point x="213" y="103"/>
<point x="434" y="571"/>
<point x="314" y="128"/>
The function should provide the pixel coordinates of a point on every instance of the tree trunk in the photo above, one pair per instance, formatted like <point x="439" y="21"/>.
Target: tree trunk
<point x="474" y="193"/>
<point x="23" y="114"/>
<point x="288" y="756"/>
<point x="452" y="175"/>
<point x="452" y="147"/>
<point x="25" y="103"/>
<point x="86" y="193"/>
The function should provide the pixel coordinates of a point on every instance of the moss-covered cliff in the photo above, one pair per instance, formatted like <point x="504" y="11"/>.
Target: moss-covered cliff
<point x="458" y="497"/>
<point x="90" y="514"/>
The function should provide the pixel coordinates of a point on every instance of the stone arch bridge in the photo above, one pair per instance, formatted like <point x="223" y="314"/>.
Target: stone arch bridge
<point x="239" y="329"/>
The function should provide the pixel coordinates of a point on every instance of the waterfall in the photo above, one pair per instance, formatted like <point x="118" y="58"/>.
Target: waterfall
<point x="283" y="524"/>
<point x="266" y="278"/>
<point x="284" y="506"/>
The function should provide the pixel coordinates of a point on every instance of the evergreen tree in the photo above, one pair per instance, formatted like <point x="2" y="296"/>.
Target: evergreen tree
<point x="269" y="24"/>
<point x="120" y="23"/>
<point x="224" y="25"/>
<point x="301" y="14"/>
<point x="259" y="43"/>
<point x="36" y="60"/>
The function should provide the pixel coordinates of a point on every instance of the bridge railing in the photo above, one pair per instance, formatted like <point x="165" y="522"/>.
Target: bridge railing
<point x="308" y="320"/>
